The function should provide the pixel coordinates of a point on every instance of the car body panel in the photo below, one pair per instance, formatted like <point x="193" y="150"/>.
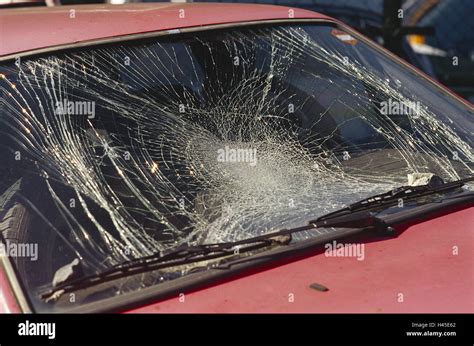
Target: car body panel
<point x="420" y="263"/>
<point x="74" y="24"/>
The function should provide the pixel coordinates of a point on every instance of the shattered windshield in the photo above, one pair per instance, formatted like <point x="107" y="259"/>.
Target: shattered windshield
<point x="119" y="151"/>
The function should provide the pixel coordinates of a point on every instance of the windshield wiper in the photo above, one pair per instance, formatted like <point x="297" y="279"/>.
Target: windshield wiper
<point x="181" y="256"/>
<point x="192" y="254"/>
<point x="356" y="216"/>
<point x="393" y="196"/>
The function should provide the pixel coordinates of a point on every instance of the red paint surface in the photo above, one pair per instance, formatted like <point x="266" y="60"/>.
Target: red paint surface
<point x="419" y="263"/>
<point x="8" y="303"/>
<point x="33" y="28"/>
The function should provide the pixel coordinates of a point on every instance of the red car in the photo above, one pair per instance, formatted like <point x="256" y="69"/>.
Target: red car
<point x="226" y="158"/>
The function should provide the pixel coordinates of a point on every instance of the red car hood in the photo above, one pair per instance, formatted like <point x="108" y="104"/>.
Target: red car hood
<point x="428" y="267"/>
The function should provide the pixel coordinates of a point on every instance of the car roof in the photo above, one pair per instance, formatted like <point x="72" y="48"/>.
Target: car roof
<point x="27" y="29"/>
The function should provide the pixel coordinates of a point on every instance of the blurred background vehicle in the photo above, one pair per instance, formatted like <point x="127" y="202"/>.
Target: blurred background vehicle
<point x="447" y="54"/>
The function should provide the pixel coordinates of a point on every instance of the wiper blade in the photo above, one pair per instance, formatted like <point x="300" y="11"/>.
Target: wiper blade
<point x="393" y="196"/>
<point x="188" y="254"/>
<point x="181" y="256"/>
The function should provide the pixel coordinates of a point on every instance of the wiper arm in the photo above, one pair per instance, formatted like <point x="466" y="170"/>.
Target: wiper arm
<point x="393" y="196"/>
